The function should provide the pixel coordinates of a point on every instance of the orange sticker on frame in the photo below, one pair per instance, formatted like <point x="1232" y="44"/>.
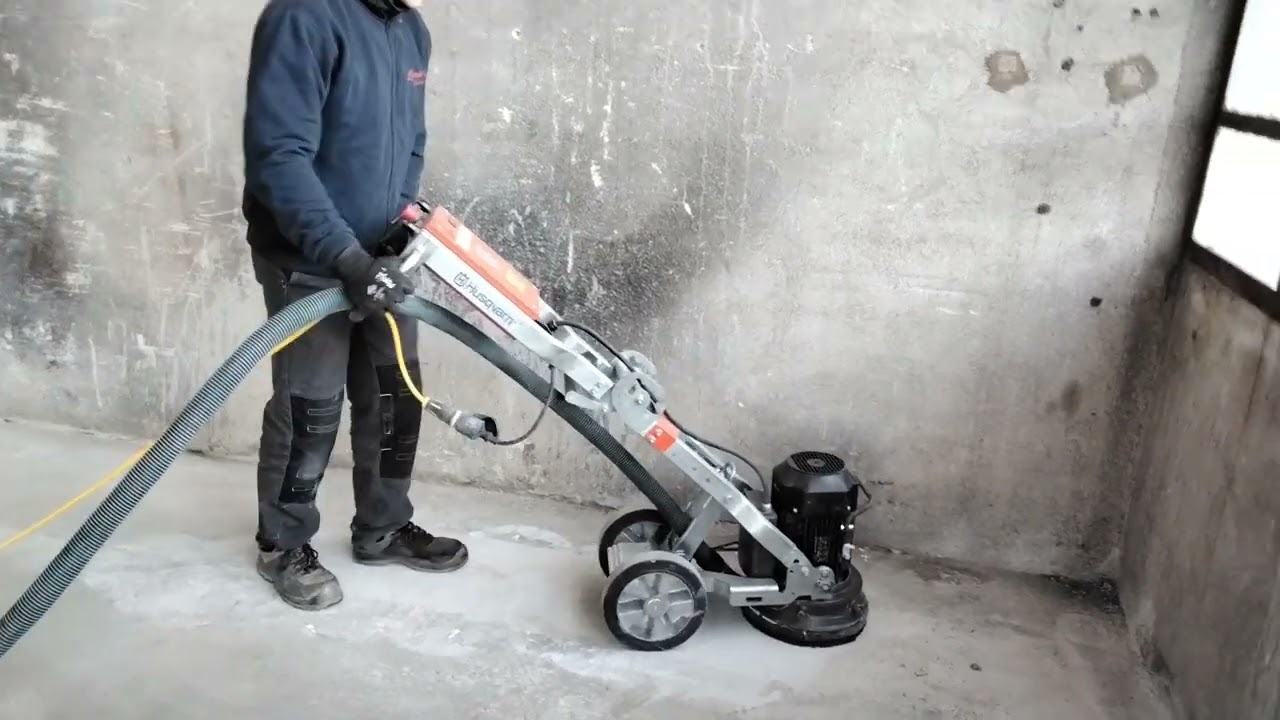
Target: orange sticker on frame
<point x="663" y="434"/>
<point x="477" y="255"/>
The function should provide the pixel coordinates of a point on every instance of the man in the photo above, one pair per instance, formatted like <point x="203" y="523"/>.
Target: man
<point x="334" y="136"/>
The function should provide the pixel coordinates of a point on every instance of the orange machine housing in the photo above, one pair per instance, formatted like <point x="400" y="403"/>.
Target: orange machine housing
<point x="491" y="266"/>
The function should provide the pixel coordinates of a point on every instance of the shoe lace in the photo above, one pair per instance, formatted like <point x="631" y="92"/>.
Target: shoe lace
<point x="413" y="533"/>
<point x="306" y="559"/>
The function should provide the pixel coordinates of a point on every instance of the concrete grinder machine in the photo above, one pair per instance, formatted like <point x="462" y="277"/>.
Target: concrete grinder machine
<point x="794" y="578"/>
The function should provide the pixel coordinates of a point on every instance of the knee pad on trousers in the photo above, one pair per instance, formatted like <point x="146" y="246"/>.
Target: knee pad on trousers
<point x="401" y="420"/>
<point x="315" y="430"/>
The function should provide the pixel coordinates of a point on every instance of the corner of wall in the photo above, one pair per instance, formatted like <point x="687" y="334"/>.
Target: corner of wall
<point x="1206" y="55"/>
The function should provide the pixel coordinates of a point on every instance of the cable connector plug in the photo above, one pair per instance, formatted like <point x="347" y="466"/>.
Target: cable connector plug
<point x="472" y="426"/>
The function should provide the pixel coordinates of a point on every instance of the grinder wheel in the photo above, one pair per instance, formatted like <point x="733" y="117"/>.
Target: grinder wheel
<point x="655" y="602"/>
<point x="838" y="620"/>
<point x="642" y="525"/>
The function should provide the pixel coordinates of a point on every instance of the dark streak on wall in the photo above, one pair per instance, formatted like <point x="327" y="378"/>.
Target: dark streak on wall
<point x="38" y="307"/>
<point x="624" y="277"/>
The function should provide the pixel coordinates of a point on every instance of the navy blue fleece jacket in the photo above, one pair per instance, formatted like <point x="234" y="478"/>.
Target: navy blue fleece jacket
<point x="334" y="127"/>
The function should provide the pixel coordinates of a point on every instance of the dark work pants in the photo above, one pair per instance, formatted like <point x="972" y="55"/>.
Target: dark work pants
<point x="300" y="421"/>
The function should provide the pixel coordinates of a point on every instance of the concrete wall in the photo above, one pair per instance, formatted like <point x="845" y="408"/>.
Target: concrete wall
<point x="1200" y="582"/>
<point x="932" y="241"/>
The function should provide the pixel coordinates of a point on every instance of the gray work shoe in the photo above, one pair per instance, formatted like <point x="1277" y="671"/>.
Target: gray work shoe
<point x="299" y="578"/>
<point x="412" y="547"/>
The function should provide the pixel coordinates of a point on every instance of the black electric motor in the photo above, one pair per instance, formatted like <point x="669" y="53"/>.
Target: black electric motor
<point x="814" y="502"/>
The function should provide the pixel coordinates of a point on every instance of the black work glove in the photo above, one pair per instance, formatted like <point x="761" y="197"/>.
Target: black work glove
<point x="374" y="285"/>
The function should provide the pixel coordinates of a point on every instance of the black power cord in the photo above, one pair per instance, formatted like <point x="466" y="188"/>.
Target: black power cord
<point x="546" y="404"/>
<point x="610" y="349"/>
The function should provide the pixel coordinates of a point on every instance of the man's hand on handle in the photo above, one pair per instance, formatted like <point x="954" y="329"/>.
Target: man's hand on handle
<point x="374" y="284"/>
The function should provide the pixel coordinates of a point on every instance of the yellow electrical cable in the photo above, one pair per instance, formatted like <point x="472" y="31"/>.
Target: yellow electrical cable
<point x="404" y="370"/>
<point x="284" y="343"/>
<point x="121" y="469"/>
<point x="125" y="466"/>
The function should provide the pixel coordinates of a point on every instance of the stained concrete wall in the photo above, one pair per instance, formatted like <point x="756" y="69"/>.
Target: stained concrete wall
<point x="932" y="241"/>
<point x="1201" y="584"/>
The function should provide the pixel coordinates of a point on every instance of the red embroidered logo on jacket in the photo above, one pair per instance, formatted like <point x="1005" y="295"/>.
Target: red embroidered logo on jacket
<point x="418" y="77"/>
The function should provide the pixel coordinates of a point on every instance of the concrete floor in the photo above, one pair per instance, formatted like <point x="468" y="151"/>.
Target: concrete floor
<point x="170" y="620"/>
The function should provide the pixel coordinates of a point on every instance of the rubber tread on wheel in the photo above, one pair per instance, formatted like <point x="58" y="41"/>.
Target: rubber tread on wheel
<point x="670" y="564"/>
<point x="609" y="536"/>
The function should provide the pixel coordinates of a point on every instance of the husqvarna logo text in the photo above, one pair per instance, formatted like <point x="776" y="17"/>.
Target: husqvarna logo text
<point x="479" y="297"/>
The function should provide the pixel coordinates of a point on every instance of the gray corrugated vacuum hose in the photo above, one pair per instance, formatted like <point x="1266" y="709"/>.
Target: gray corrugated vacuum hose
<point x="80" y="549"/>
<point x="93" y="534"/>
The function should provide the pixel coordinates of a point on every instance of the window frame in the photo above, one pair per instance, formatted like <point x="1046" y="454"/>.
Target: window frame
<point x="1249" y="288"/>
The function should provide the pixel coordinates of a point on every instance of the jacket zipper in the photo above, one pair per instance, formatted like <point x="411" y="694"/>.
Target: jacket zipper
<point x="392" y="192"/>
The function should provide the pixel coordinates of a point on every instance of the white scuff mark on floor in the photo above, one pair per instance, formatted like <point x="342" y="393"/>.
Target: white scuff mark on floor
<point x="596" y="178"/>
<point x="569" y="267"/>
<point x="656" y="168"/>
<point x="526" y="535"/>
<point x="506" y="114"/>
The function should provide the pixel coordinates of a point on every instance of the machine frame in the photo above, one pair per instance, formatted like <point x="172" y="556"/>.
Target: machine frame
<point x="614" y="390"/>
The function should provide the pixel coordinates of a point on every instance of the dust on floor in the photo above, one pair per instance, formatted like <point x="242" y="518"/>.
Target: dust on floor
<point x="170" y="620"/>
